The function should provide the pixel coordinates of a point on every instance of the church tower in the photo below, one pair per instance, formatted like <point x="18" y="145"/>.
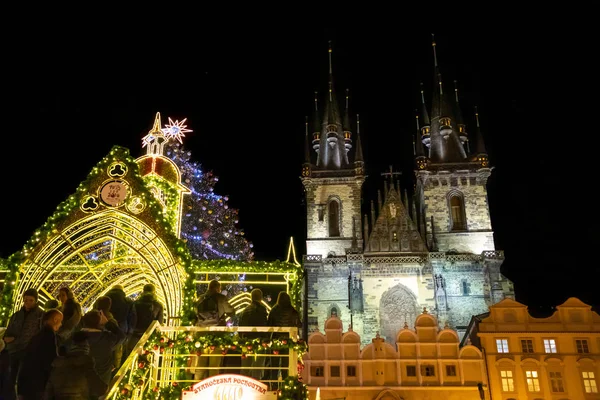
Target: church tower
<point x="451" y="191"/>
<point x="333" y="181"/>
<point x="452" y="206"/>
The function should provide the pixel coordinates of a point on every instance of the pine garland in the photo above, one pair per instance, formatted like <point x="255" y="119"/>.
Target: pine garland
<point x="196" y="343"/>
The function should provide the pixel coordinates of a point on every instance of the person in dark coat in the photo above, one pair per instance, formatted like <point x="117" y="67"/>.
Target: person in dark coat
<point x="22" y="326"/>
<point x="39" y="355"/>
<point x="282" y="314"/>
<point x="123" y="310"/>
<point x="147" y="309"/>
<point x="102" y="342"/>
<point x="73" y="375"/>
<point x="254" y="315"/>
<point x="71" y="310"/>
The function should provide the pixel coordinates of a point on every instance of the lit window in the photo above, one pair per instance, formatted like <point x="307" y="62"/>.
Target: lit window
<point x="527" y="345"/>
<point x="350" y="370"/>
<point x="411" y="370"/>
<point x="589" y="382"/>
<point x="556" y="382"/>
<point x="316" y="371"/>
<point x="533" y="382"/>
<point x="550" y="345"/>
<point x="502" y="345"/>
<point x="582" y="346"/>
<point x="451" y="370"/>
<point x="508" y="384"/>
<point x="457" y="211"/>
<point x="427" y="370"/>
<point x="334" y="371"/>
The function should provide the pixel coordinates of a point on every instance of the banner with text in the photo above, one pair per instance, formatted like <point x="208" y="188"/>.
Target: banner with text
<point x="229" y="387"/>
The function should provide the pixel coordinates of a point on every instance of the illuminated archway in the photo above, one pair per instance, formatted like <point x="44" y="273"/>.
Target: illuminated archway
<point x="103" y="249"/>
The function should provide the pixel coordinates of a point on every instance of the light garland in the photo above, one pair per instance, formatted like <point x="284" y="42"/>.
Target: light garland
<point x="194" y="343"/>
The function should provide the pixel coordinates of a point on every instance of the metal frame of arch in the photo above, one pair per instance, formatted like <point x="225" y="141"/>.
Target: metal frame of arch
<point x="101" y="250"/>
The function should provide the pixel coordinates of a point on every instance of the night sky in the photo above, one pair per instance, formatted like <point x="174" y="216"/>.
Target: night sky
<point x="71" y="94"/>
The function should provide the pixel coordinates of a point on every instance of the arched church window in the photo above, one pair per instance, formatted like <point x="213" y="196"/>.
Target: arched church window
<point x="334" y="219"/>
<point x="334" y="312"/>
<point x="457" y="213"/>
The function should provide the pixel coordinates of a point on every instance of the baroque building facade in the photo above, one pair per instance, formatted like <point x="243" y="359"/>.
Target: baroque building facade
<point x="425" y="362"/>
<point x="433" y="249"/>
<point x="557" y="357"/>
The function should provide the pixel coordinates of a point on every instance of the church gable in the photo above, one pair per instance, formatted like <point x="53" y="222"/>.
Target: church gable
<point x="394" y="230"/>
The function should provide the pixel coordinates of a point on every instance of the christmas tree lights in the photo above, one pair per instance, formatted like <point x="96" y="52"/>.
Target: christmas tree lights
<point x="208" y="224"/>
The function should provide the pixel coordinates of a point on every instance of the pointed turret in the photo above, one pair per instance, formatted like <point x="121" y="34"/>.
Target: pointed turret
<point x="316" y="128"/>
<point x="420" y="158"/>
<point x="462" y="129"/>
<point x="359" y="163"/>
<point x="445" y="143"/>
<point x="346" y="126"/>
<point x="306" y="169"/>
<point x="426" y="128"/>
<point x="480" y="153"/>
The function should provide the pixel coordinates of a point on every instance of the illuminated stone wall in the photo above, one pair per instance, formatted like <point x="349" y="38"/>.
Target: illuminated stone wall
<point x="318" y="195"/>
<point x="435" y="191"/>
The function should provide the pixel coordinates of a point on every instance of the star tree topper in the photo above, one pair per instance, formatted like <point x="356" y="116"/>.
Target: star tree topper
<point x="175" y="130"/>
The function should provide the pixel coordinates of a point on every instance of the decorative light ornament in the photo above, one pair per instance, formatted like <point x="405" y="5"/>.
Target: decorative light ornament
<point x="175" y="129"/>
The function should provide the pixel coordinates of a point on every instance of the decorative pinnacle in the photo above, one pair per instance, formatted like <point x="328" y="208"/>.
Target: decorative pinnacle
<point x="330" y="51"/>
<point x="417" y="119"/>
<point x="434" y="53"/>
<point x="156" y="128"/>
<point x="425" y="310"/>
<point x="456" y="90"/>
<point x="316" y="101"/>
<point x="422" y="94"/>
<point x="405" y="325"/>
<point x="476" y="116"/>
<point x="347" y="93"/>
<point x="357" y="123"/>
<point x="306" y="124"/>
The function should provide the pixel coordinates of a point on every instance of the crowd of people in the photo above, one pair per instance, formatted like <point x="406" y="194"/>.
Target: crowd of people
<point x="213" y="309"/>
<point x="56" y="352"/>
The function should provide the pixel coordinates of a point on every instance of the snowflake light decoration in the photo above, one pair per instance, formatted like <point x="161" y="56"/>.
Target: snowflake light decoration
<point x="146" y="140"/>
<point x="175" y="129"/>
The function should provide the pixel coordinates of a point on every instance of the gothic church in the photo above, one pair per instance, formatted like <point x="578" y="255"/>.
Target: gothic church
<point x="432" y="251"/>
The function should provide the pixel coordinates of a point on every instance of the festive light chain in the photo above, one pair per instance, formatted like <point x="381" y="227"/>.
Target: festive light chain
<point x="195" y="343"/>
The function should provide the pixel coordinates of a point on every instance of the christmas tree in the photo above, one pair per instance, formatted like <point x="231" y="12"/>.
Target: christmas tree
<point x="208" y="224"/>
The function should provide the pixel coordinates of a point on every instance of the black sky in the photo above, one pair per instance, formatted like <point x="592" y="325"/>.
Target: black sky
<point x="71" y="94"/>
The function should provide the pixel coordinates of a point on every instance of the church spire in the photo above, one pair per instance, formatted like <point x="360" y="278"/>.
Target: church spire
<point x="445" y="143"/>
<point x="480" y="153"/>
<point x="334" y="142"/>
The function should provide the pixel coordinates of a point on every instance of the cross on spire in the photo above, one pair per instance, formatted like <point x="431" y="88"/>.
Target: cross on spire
<point x="391" y="173"/>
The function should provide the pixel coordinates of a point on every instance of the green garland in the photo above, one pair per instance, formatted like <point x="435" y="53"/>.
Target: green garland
<point x="68" y="211"/>
<point x="171" y="196"/>
<point x="195" y="343"/>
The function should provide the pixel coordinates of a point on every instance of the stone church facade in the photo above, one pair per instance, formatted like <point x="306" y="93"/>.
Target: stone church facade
<point x="433" y="249"/>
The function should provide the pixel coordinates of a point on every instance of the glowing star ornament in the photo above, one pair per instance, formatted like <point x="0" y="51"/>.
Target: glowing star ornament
<point x="175" y="130"/>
